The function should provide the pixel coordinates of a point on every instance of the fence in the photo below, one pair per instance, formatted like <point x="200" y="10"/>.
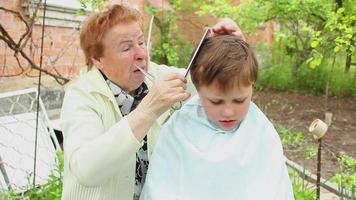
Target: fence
<point x="18" y="113"/>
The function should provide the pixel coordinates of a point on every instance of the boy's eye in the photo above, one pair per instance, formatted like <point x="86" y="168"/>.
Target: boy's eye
<point x="239" y="101"/>
<point x="216" y="102"/>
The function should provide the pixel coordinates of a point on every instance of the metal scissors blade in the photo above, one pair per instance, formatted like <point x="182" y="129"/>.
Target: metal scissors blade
<point x="196" y="51"/>
<point x="146" y="74"/>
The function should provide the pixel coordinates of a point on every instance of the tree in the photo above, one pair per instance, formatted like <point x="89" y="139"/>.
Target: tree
<point x="171" y="47"/>
<point x="310" y="28"/>
<point x="19" y="46"/>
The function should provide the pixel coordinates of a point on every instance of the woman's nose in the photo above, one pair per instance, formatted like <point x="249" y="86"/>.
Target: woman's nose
<point x="140" y="52"/>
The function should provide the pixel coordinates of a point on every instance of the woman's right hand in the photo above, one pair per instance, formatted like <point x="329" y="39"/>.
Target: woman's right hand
<point x="162" y="95"/>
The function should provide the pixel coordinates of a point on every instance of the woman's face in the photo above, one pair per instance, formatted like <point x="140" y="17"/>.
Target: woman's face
<point x="124" y="47"/>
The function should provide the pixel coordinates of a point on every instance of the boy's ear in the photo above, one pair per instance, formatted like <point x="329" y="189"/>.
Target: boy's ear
<point x="97" y="63"/>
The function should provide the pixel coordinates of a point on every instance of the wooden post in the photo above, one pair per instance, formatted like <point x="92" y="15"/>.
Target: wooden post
<point x="318" y="128"/>
<point x="328" y="119"/>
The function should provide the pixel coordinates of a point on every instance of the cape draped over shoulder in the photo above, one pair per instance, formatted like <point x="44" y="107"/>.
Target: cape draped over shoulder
<point x="194" y="160"/>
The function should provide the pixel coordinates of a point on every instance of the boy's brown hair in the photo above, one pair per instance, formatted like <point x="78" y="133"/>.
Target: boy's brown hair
<point x="99" y="23"/>
<point x="225" y="60"/>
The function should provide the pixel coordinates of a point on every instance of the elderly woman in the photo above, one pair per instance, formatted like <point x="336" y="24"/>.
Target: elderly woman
<point x="112" y="115"/>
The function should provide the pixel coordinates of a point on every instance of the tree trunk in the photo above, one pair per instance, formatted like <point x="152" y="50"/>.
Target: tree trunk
<point x="347" y="63"/>
<point x="339" y="4"/>
<point x="164" y="31"/>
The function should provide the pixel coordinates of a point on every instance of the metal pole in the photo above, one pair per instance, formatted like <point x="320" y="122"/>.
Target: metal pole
<point x="318" y="171"/>
<point x="39" y="92"/>
<point x="4" y="174"/>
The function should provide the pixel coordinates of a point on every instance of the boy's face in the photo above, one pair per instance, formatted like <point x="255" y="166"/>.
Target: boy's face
<point x="225" y="109"/>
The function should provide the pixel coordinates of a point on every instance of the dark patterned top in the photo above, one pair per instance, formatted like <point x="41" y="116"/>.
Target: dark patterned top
<point x="127" y="103"/>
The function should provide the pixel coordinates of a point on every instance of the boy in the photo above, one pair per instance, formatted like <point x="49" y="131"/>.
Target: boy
<point x="219" y="146"/>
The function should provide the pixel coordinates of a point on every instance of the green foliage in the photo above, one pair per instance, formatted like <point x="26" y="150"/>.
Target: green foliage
<point x="312" y="24"/>
<point x="289" y="138"/>
<point x="310" y="151"/>
<point x="277" y="78"/>
<point x="51" y="190"/>
<point x="171" y="48"/>
<point x="276" y="73"/>
<point x="345" y="177"/>
<point x="307" y="33"/>
<point x="336" y="35"/>
<point x="90" y="4"/>
<point x="300" y="189"/>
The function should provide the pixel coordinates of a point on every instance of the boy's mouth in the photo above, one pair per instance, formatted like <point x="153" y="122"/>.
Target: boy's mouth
<point x="227" y="121"/>
<point x="227" y="124"/>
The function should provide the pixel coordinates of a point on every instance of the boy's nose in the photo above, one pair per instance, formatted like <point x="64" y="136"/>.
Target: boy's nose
<point x="228" y="112"/>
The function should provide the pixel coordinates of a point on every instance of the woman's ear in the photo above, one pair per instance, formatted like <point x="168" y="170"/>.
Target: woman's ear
<point x="97" y="63"/>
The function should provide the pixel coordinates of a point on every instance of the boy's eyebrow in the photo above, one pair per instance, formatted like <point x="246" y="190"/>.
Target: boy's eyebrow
<point x="241" y="99"/>
<point x="219" y="98"/>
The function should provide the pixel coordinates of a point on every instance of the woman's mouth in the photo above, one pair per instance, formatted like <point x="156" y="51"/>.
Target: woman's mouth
<point x="138" y="68"/>
<point x="144" y="73"/>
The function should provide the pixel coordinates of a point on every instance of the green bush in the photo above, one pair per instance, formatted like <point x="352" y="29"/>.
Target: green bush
<point x="275" y="77"/>
<point x="301" y="189"/>
<point x="51" y="190"/>
<point x="276" y="73"/>
<point x="345" y="176"/>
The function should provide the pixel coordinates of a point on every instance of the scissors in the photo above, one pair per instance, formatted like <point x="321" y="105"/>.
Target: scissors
<point x="178" y="105"/>
<point x="148" y="43"/>
<point x="146" y="74"/>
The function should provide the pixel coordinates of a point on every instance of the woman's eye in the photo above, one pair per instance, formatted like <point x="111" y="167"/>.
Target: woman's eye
<point x="142" y="43"/>
<point x="125" y="48"/>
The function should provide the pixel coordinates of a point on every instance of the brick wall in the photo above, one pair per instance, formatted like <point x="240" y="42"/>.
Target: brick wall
<point x="61" y="50"/>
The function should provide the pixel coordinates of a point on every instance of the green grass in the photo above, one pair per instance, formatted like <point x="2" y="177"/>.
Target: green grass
<point x="302" y="190"/>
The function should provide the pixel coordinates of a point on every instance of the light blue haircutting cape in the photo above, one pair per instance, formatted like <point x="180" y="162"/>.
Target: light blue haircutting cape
<point x="194" y="160"/>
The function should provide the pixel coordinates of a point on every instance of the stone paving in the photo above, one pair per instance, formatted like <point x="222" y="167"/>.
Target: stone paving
<point x="326" y="195"/>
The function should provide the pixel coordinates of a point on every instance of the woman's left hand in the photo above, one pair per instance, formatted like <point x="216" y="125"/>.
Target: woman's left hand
<point x="227" y="26"/>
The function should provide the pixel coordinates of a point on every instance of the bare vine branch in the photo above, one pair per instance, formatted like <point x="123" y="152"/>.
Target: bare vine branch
<point x="18" y="47"/>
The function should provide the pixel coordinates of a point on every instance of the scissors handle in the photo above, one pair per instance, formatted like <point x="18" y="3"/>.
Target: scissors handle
<point x="177" y="105"/>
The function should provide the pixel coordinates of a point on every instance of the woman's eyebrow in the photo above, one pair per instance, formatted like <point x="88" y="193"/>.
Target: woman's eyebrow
<point x="128" y="40"/>
<point x="141" y="36"/>
<point x="125" y="41"/>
